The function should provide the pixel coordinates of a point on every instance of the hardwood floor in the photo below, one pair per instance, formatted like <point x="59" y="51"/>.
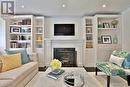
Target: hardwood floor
<point x="116" y="81"/>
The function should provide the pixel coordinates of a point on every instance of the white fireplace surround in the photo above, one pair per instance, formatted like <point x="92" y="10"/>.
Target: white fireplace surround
<point x="50" y="44"/>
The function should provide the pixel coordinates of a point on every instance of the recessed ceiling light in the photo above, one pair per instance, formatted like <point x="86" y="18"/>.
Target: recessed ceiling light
<point x="22" y="6"/>
<point x="104" y="5"/>
<point x="63" y="5"/>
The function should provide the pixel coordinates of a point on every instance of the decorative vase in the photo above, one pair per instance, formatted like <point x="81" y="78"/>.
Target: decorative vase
<point x="115" y="40"/>
<point x="114" y="23"/>
<point x="55" y="64"/>
<point x="100" y="25"/>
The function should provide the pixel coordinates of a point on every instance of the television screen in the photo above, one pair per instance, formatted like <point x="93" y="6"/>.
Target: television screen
<point x="64" y="29"/>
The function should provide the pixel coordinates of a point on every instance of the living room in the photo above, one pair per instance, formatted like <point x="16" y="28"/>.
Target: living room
<point x="79" y="37"/>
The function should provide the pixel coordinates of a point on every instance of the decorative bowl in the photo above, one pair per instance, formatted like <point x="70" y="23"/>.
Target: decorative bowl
<point x="73" y="80"/>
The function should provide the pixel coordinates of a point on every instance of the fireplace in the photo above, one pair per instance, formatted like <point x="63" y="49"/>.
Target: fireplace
<point x="75" y="45"/>
<point x="68" y="56"/>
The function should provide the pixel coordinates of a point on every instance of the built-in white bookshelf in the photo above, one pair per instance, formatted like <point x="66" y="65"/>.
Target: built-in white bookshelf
<point x="20" y="31"/>
<point x="107" y="27"/>
<point x="89" y="46"/>
<point x="39" y="32"/>
<point x="26" y="31"/>
<point x="39" y="38"/>
<point x="102" y="35"/>
<point x="108" y="35"/>
<point x="89" y="32"/>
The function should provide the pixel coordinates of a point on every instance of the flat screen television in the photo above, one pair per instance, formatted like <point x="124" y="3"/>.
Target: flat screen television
<point x="64" y="29"/>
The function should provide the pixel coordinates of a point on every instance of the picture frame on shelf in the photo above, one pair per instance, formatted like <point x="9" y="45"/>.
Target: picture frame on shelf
<point x="15" y="29"/>
<point x="106" y="39"/>
<point x="29" y="30"/>
<point x="24" y="30"/>
<point x="14" y="37"/>
<point x="88" y="30"/>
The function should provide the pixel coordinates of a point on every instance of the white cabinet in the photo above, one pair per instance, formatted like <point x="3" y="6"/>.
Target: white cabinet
<point x="89" y="58"/>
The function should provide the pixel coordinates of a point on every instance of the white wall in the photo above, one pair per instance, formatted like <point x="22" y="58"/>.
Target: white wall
<point x="50" y="21"/>
<point x="126" y="30"/>
<point x="2" y="34"/>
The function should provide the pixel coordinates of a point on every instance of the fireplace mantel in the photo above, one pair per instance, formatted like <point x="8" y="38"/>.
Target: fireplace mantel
<point x="63" y="39"/>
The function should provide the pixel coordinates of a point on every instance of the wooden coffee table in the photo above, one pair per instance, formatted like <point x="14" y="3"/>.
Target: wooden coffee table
<point x="41" y="79"/>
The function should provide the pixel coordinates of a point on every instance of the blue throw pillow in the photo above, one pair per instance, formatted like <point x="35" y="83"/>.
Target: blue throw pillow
<point x="126" y="63"/>
<point x="24" y="56"/>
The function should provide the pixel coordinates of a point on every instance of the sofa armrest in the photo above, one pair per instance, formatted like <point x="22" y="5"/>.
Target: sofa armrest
<point x="33" y="57"/>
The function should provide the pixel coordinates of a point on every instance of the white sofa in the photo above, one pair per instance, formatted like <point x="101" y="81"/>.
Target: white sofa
<point x="20" y="76"/>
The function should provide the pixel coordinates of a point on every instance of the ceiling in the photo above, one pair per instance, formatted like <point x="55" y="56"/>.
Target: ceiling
<point x="73" y="7"/>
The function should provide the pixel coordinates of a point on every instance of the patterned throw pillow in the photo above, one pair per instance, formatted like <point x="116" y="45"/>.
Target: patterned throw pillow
<point x="10" y="61"/>
<point x="116" y="60"/>
<point x="123" y="54"/>
<point x="0" y="65"/>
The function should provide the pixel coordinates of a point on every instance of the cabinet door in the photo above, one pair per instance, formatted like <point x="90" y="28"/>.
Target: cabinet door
<point x="89" y="59"/>
<point x="40" y="53"/>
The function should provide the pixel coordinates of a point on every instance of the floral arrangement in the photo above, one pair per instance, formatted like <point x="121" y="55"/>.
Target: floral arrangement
<point x="55" y="64"/>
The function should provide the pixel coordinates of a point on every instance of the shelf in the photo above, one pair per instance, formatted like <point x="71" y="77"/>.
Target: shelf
<point x="106" y="28"/>
<point x="38" y="33"/>
<point x="89" y="26"/>
<point x="22" y="41"/>
<point x="89" y="49"/>
<point x="87" y="41"/>
<point x="108" y="45"/>
<point x="89" y="33"/>
<point x="21" y="33"/>
<point x="20" y="25"/>
<point x="38" y="26"/>
<point x="38" y="40"/>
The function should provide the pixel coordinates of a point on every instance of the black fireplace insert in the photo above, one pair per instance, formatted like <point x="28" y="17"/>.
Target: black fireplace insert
<point x="68" y="56"/>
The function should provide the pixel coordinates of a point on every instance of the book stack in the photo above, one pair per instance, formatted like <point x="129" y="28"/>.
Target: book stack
<point x="55" y="74"/>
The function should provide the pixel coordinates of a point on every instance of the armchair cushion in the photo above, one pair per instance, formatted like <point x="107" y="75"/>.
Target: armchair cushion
<point x="110" y="69"/>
